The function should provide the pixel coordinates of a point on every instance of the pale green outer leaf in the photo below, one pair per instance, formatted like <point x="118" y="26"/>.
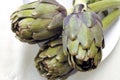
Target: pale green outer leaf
<point x="92" y="51"/>
<point x="73" y="47"/>
<point x="56" y="21"/>
<point x="39" y="25"/>
<point x="25" y="22"/>
<point x="43" y="35"/>
<point x="85" y="36"/>
<point x="98" y="34"/>
<point x="87" y="19"/>
<point x="97" y="58"/>
<point x="24" y="13"/>
<point x="44" y="9"/>
<point x="73" y="27"/>
<point x="26" y="33"/>
<point x="43" y="54"/>
<point x="81" y="53"/>
<point x="56" y="42"/>
<point x="61" y="57"/>
<point x="51" y="52"/>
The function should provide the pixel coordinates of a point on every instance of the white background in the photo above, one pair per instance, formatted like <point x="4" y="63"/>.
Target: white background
<point x="16" y="58"/>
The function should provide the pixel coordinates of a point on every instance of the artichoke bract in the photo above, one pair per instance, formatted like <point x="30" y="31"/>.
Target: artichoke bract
<point x="51" y="62"/>
<point x="38" y="21"/>
<point x="83" y="39"/>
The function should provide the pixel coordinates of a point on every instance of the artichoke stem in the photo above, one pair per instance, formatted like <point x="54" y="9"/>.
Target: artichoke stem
<point x="110" y="19"/>
<point x="96" y="6"/>
<point x="84" y="2"/>
<point x="75" y="2"/>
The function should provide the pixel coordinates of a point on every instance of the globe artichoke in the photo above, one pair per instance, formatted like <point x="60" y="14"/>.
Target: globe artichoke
<point x="83" y="39"/>
<point x="51" y="62"/>
<point x="38" y="21"/>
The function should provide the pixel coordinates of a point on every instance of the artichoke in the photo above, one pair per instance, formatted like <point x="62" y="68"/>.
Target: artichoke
<point x="51" y="62"/>
<point x="83" y="39"/>
<point x="38" y="21"/>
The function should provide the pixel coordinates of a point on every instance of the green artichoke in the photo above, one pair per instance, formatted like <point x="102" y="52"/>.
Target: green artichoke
<point x="51" y="62"/>
<point x="38" y="21"/>
<point x="83" y="39"/>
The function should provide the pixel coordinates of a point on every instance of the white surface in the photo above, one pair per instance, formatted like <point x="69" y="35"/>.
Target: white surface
<point x="16" y="58"/>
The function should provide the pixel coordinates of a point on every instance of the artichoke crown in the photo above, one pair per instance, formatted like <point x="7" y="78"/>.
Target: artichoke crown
<point x="51" y="62"/>
<point x="83" y="39"/>
<point x="38" y="21"/>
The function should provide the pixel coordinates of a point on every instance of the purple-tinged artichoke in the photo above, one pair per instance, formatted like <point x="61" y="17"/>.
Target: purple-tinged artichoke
<point x="83" y="39"/>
